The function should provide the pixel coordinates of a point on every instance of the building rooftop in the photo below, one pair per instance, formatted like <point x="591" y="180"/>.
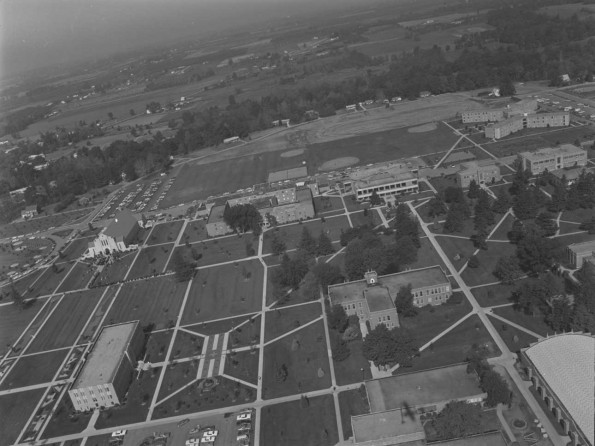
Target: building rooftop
<point x="473" y="165"/>
<point x="570" y="174"/>
<point x="549" y="152"/>
<point x="565" y="362"/>
<point x="123" y="223"/>
<point x="396" y="425"/>
<point x="216" y="214"/>
<point x="493" y="439"/>
<point x="106" y="355"/>
<point x="378" y="298"/>
<point x="354" y="291"/>
<point x="422" y="388"/>
<point x="583" y="247"/>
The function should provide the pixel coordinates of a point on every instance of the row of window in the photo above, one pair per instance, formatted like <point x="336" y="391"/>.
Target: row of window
<point x="428" y="292"/>
<point x="387" y="187"/>
<point x="420" y="301"/>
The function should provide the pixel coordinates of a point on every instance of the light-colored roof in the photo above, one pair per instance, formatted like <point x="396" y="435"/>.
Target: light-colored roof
<point x="566" y="362"/>
<point x="422" y="388"/>
<point x="122" y="225"/>
<point x="397" y="425"/>
<point x="106" y="355"/>
<point x="419" y="278"/>
<point x="582" y="248"/>
<point x="473" y="165"/>
<point x="549" y="152"/>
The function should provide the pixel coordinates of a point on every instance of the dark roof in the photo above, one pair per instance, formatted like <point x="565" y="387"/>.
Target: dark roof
<point x="378" y="298"/>
<point x="122" y="225"/>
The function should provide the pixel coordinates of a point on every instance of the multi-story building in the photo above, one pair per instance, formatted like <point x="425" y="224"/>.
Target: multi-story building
<point x="108" y="370"/>
<point x="29" y="211"/>
<point x="118" y="236"/>
<point x="578" y="253"/>
<point x="554" y="158"/>
<point x="561" y="371"/>
<point x="474" y="116"/>
<point x="482" y="171"/>
<point x="386" y="180"/>
<point x="519" y="122"/>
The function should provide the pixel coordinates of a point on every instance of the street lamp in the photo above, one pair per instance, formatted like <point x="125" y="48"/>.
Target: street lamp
<point x="362" y="369"/>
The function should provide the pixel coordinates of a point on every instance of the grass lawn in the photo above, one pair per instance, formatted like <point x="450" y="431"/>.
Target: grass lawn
<point x="491" y="295"/>
<point x="247" y="334"/>
<point x="243" y="365"/>
<point x="487" y="263"/>
<point x="157" y="345"/>
<point x="427" y="256"/>
<point x="566" y="240"/>
<point x="514" y="338"/>
<point x="136" y="407"/>
<point x="224" y="291"/>
<point x="282" y="320"/>
<point x="351" y="403"/>
<point x="15" y="410"/>
<point x="165" y="232"/>
<point x="75" y="249"/>
<point x="203" y="395"/>
<point x="453" y="246"/>
<point x="502" y="231"/>
<point x="115" y="272"/>
<point x="533" y="323"/>
<point x="454" y="347"/>
<point x="29" y="334"/>
<point x="578" y="215"/>
<point x="150" y="261"/>
<point x="177" y="376"/>
<point x="23" y="284"/>
<point x="309" y="423"/>
<point x="218" y="327"/>
<point x="35" y="369"/>
<point x="349" y="371"/>
<point x="353" y="205"/>
<point x="569" y="228"/>
<point x="67" y="321"/>
<point x="78" y="278"/>
<point x="280" y="294"/>
<point x="49" y="280"/>
<point x="155" y="301"/>
<point x="363" y="218"/>
<point x="489" y="423"/>
<point x="186" y="345"/>
<point x="195" y="231"/>
<point x="304" y="355"/>
<point x="291" y="234"/>
<point x="427" y="323"/>
<point x="323" y="204"/>
<point x="99" y="440"/>
<point x="62" y="423"/>
<point x="467" y="231"/>
<point x="13" y="321"/>
<point x="225" y="249"/>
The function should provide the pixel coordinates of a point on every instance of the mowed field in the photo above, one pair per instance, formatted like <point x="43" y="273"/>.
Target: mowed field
<point x="154" y="301"/>
<point x="34" y="369"/>
<point x="225" y="291"/>
<point x="13" y="320"/>
<point x="15" y="410"/>
<point x="66" y="322"/>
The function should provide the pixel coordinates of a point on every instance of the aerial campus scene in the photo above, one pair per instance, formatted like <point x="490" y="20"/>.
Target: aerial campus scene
<point x="297" y="223"/>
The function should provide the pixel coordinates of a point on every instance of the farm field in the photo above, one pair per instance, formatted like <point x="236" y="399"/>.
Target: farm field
<point x="150" y="261"/>
<point x="34" y="369"/>
<point x="278" y="426"/>
<point x="15" y="410"/>
<point x="303" y="355"/>
<point x="13" y="321"/>
<point x="225" y="291"/>
<point x="66" y="322"/>
<point x="154" y="301"/>
<point x="165" y="232"/>
<point x="282" y="320"/>
<point x="78" y="278"/>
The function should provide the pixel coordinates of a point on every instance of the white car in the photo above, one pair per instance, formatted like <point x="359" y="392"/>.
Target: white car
<point x="119" y="433"/>
<point x="247" y="416"/>
<point x="210" y="434"/>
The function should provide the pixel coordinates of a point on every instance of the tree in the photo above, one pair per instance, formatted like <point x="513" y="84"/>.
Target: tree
<point x="404" y="301"/>
<point x="389" y="347"/>
<point x="559" y="199"/>
<point x="325" y="246"/>
<point x="307" y="242"/>
<point x="339" y="348"/>
<point x="484" y="216"/>
<point x="496" y="387"/>
<point x="183" y="269"/>
<point x="243" y="218"/>
<point x="458" y="419"/>
<point x="507" y="87"/>
<point x="327" y="274"/>
<point x="406" y="224"/>
<point x="546" y="222"/>
<point x="502" y="203"/>
<point x="277" y="245"/>
<point x="291" y="271"/>
<point x="473" y="262"/>
<point x="110" y="115"/>
<point x="537" y="253"/>
<point x="132" y="112"/>
<point x="337" y="318"/>
<point x="375" y="199"/>
<point x="517" y="232"/>
<point x="455" y="218"/>
<point x="436" y="207"/>
<point x="508" y="270"/>
<point x="17" y="298"/>
<point x="405" y="251"/>
<point x="473" y="189"/>
<point x="527" y="203"/>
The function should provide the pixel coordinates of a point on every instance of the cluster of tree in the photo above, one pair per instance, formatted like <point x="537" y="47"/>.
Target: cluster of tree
<point x="458" y="419"/>
<point x="243" y="218"/>
<point x="368" y="252"/>
<point x="407" y="241"/>
<point x="19" y="120"/>
<point x="491" y="382"/>
<point x="344" y="329"/>
<point x="404" y="302"/>
<point x="183" y="266"/>
<point x="52" y="140"/>
<point x="458" y="209"/>
<point x="388" y="347"/>
<point x="484" y="215"/>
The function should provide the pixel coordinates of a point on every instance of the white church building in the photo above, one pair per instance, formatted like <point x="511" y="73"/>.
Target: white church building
<point x="118" y="236"/>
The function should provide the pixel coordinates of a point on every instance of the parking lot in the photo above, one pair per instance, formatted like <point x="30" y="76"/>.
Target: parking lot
<point x="581" y="109"/>
<point x="177" y="434"/>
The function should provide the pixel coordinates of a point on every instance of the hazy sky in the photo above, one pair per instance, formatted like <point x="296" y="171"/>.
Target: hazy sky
<point x="36" y="33"/>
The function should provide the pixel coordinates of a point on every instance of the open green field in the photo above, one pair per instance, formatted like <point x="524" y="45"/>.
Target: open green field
<point x="150" y="261"/>
<point x="157" y="345"/>
<point x="317" y="424"/>
<point x="351" y="403"/>
<point x="116" y="271"/>
<point x="487" y="263"/>
<point x="454" y="347"/>
<point x="165" y="232"/>
<point x="282" y="320"/>
<point x="67" y="321"/>
<point x="579" y="215"/>
<point x="304" y="355"/>
<point x="224" y="291"/>
<point x="453" y="246"/>
<point x="514" y="338"/>
<point x="427" y="256"/>
<point x="195" y="231"/>
<point x="246" y="334"/>
<point x="224" y="249"/>
<point x="349" y="371"/>
<point x="34" y="369"/>
<point x="15" y="410"/>
<point x="568" y="228"/>
<point x="75" y="249"/>
<point x="194" y="399"/>
<point x="22" y="284"/>
<point x="584" y="236"/>
<point x="324" y="204"/>
<point x="186" y="345"/>
<point x="154" y="301"/>
<point x="502" y="232"/>
<point x="49" y="280"/>
<point x="219" y="326"/>
<point x="499" y="294"/>
<point x="13" y="321"/>
<point x="27" y="335"/>
<point x="291" y="234"/>
<point x="61" y="423"/>
<point x="177" y="376"/>
<point x="533" y="323"/>
<point x="78" y="278"/>
<point x="243" y="365"/>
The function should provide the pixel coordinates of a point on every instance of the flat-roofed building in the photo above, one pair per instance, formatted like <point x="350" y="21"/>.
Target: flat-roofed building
<point x="427" y="391"/>
<point x="391" y="427"/>
<point x="516" y="123"/>
<point x="386" y="181"/>
<point x="108" y="369"/>
<point x="118" y="236"/>
<point x="482" y="171"/>
<point x="579" y="253"/>
<point x="482" y="116"/>
<point x="561" y="369"/>
<point x="553" y="158"/>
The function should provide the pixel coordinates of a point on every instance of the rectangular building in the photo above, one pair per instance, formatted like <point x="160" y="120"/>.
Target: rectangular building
<point x="483" y="172"/>
<point x="482" y="116"/>
<point x="108" y="369"/>
<point x="528" y="121"/>
<point x="389" y="180"/>
<point x="553" y="158"/>
<point x="29" y="211"/>
<point x="118" y="236"/>
<point x="391" y="427"/>
<point x="578" y="253"/>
